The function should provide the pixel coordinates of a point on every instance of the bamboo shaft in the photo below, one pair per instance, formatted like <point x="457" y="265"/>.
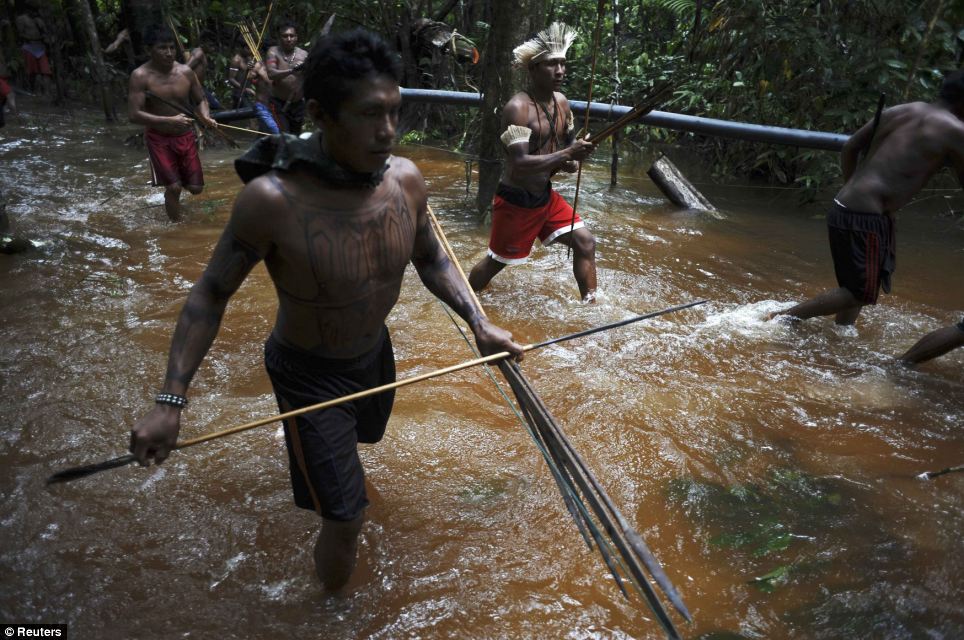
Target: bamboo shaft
<point x="349" y="398"/>
<point x="452" y="257"/>
<point x="231" y="126"/>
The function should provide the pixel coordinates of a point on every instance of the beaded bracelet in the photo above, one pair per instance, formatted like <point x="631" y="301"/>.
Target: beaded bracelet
<point x="171" y="399"/>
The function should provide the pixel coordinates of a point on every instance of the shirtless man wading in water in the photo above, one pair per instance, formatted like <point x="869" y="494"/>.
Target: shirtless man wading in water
<point x="912" y="143"/>
<point x="336" y="218"/>
<point x="156" y="87"/>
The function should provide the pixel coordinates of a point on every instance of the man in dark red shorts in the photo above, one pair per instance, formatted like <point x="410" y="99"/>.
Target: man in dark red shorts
<point x="161" y="92"/>
<point x="36" y="64"/>
<point x="539" y="141"/>
<point x="6" y="91"/>
<point x="913" y="142"/>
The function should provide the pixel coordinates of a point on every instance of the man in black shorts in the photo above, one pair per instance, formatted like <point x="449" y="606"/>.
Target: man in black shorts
<point x="912" y="142"/>
<point x="336" y="218"/>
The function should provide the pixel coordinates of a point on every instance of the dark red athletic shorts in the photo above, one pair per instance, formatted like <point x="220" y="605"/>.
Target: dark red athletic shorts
<point x="518" y="218"/>
<point x="35" y="65"/>
<point x="863" y="249"/>
<point x="4" y="88"/>
<point x="174" y="159"/>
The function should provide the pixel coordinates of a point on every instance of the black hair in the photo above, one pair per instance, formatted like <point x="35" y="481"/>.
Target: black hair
<point x="158" y="33"/>
<point x="338" y="60"/>
<point x="287" y="24"/>
<point x="952" y="89"/>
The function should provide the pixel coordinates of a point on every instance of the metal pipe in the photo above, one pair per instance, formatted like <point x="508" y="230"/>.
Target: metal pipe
<point x="664" y="119"/>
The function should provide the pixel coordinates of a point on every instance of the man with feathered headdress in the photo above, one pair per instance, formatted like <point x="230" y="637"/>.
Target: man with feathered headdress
<point x="539" y="141"/>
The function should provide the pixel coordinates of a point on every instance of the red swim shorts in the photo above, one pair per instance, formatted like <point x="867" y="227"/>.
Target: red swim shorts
<point x="4" y="87"/>
<point x="174" y="159"/>
<point x="36" y="65"/>
<point x="515" y="228"/>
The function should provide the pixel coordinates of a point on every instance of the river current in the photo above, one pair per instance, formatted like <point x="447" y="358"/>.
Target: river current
<point x="770" y="468"/>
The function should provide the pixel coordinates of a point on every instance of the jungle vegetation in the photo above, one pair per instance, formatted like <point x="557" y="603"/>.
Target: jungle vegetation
<point x="810" y="64"/>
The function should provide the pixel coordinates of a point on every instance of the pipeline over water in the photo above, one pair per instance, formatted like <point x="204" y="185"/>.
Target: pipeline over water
<point x="664" y="119"/>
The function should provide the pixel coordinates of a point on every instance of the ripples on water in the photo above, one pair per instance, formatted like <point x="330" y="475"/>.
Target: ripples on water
<point x="770" y="468"/>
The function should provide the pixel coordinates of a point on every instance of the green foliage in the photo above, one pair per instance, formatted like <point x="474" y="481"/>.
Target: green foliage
<point x="762" y="523"/>
<point x="817" y="65"/>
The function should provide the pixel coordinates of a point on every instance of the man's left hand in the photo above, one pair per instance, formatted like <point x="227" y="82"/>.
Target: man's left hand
<point x="208" y="121"/>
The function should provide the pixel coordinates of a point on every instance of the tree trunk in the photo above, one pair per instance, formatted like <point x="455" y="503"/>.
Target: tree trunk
<point x="86" y="20"/>
<point x="614" y="162"/>
<point x="141" y="14"/>
<point x="505" y="33"/>
<point x="920" y="50"/>
<point x="676" y="187"/>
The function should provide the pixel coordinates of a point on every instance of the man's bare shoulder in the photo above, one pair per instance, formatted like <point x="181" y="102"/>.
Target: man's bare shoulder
<point x="259" y="205"/>
<point x="406" y="173"/>
<point x="516" y="110"/>
<point x="264" y="191"/>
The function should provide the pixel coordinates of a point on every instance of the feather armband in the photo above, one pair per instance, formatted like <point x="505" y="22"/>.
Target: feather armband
<point x="514" y="134"/>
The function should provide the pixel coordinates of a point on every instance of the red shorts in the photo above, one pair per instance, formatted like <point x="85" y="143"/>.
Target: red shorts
<point x="174" y="159"/>
<point x="515" y="228"/>
<point x="4" y="88"/>
<point x="35" y="65"/>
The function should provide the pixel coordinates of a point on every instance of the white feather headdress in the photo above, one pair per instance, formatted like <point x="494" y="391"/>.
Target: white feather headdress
<point x="549" y="44"/>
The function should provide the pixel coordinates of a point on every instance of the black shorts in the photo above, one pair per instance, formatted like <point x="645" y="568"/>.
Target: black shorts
<point x="290" y="115"/>
<point x="326" y="472"/>
<point x="863" y="250"/>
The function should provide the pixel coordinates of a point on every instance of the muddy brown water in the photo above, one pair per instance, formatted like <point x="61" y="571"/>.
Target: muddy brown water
<point x="771" y="469"/>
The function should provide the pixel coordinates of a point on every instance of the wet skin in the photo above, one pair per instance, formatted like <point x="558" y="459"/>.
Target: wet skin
<point x="912" y="143"/>
<point x="530" y="166"/>
<point x="336" y="255"/>
<point x="280" y="63"/>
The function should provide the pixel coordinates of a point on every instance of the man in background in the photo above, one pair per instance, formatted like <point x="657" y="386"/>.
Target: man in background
<point x="282" y="64"/>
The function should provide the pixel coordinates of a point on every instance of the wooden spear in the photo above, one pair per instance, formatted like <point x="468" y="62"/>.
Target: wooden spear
<point x="86" y="470"/>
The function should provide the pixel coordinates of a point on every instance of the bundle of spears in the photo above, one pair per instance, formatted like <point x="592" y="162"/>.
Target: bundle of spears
<point x="622" y="549"/>
<point x="252" y="44"/>
<point x="655" y="97"/>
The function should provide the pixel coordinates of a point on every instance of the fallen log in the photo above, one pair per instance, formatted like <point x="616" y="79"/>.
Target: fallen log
<point x="677" y="188"/>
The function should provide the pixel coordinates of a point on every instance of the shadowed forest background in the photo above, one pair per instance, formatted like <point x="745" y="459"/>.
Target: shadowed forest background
<point x="818" y="65"/>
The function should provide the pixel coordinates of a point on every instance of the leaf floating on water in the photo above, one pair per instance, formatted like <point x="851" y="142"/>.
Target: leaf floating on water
<point x="768" y="582"/>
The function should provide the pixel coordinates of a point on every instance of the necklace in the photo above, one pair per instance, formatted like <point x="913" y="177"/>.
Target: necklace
<point x="288" y="59"/>
<point x="552" y="139"/>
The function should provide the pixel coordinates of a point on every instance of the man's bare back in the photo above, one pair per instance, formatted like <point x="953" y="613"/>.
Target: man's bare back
<point x="912" y="143"/>
<point x="336" y="256"/>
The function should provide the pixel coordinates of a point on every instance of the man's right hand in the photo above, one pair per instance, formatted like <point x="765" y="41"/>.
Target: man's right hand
<point x="155" y="435"/>
<point x="181" y="121"/>
<point x="580" y="150"/>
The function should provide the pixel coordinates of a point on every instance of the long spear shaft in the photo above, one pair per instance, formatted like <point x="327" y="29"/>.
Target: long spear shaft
<point x="600" y="7"/>
<point x="189" y="113"/>
<point x="79" y="472"/>
<point x="638" y="111"/>
<point x="256" y="53"/>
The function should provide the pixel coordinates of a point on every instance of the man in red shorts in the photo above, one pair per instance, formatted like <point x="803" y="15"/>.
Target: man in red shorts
<point x="31" y="29"/>
<point x="912" y="143"/>
<point x="6" y="91"/>
<point x="539" y="141"/>
<point x="160" y="94"/>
